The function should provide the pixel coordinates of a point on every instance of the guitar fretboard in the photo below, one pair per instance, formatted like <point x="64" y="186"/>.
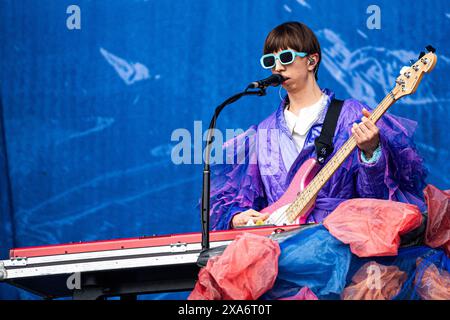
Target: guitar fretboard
<point x="313" y="188"/>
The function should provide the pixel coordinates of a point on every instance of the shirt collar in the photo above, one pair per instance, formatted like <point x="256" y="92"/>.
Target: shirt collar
<point x="307" y="117"/>
<point x="281" y="120"/>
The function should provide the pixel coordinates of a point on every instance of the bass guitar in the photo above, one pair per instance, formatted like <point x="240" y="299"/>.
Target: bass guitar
<point x="298" y="201"/>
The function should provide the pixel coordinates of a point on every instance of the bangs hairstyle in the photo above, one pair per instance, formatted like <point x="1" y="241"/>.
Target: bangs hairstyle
<point x="294" y="35"/>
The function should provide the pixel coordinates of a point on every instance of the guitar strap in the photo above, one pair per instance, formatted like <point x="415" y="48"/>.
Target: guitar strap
<point x="324" y="143"/>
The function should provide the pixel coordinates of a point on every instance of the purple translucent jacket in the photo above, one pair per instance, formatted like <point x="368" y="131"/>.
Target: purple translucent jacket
<point x="261" y="163"/>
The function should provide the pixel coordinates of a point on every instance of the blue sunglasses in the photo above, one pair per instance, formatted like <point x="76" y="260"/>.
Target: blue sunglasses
<point x="268" y="61"/>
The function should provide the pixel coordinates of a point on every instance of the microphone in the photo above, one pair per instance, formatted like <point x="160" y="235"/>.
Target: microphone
<point x="273" y="80"/>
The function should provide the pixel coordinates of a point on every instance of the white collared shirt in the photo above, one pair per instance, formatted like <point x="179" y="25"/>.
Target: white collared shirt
<point x="299" y="125"/>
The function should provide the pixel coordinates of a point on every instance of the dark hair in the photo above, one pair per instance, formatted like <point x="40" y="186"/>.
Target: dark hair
<point x="293" y="35"/>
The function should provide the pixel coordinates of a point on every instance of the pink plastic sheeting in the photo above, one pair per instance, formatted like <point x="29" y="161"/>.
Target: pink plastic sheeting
<point x="438" y="225"/>
<point x="303" y="294"/>
<point x="372" y="227"/>
<point x="247" y="269"/>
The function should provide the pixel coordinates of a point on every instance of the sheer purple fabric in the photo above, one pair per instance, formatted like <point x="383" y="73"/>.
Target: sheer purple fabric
<point x="260" y="164"/>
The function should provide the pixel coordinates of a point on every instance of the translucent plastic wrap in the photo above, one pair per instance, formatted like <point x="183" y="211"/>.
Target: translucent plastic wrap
<point x="438" y="227"/>
<point x="432" y="283"/>
<point x="372" y="227"/>
<point x="413" y="261"/>
<point x="375" y="281"/>
<point x="246" y="269"/>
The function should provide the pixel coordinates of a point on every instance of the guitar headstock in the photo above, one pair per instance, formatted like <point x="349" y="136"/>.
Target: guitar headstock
<point x="410" y="77"/>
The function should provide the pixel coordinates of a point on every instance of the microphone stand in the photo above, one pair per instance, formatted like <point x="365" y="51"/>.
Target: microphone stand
<point x="204" y="256"/>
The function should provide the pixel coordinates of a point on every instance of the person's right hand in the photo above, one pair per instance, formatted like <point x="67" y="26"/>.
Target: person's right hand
<point x="242" y="218"/>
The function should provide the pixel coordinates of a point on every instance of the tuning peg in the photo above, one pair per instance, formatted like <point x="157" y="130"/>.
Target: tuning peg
<point x="404" y="69"/>
<point x="421" y="54"/>
<point x="430" y="49"/>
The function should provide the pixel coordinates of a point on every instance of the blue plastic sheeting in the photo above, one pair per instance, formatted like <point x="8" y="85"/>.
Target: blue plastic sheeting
<point x="315" y="259"/>
<point x="88" y="114"/>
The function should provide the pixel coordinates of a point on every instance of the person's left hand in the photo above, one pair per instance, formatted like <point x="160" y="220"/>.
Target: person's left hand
<point x="367" y="135"/>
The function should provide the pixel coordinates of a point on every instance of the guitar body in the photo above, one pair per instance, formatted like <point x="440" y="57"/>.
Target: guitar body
<point x="302" y="178"/>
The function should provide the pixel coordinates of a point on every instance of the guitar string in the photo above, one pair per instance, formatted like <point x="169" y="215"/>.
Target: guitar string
<point x="337" y="160"/>
<point x="304" y="198"/>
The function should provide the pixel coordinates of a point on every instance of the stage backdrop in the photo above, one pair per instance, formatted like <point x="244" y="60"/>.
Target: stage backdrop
<point x="92" y="95"/>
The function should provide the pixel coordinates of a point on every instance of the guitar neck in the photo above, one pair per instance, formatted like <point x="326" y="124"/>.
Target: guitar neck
<point x="313" y="188"/>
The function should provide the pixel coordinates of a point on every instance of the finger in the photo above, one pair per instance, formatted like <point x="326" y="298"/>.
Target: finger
<point x="372" y="127"/>
<point x="364" y="132"/>
<point x="364" y="129"/>
<point x="265" y="216"/>
<point x="357" y="132"/>
<point x="370" y="130"/>
<point x="365" y="119"/>
<point x="238" y="222"/>
<point x="245" y="220"/>
<point x="358" y="139"/>
<point x="362" y="137"/>
<point x="248" y="212"/>
<point x="366" y="112"/>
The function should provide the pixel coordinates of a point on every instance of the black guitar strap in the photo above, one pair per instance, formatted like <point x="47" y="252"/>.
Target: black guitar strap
<point x="324" y="143"/>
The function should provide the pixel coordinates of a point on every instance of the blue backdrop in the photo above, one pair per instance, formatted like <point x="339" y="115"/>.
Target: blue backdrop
<point x="87" y="114"/>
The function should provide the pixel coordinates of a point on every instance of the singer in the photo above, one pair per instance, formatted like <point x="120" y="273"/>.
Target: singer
<point x="385" y="165"/>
